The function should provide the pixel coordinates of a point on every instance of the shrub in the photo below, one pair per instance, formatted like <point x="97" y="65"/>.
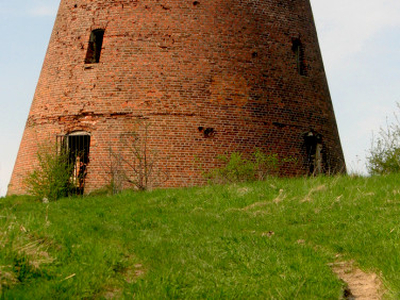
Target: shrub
<point x="266" y="165"/>
<point x="51" y="179"/>
<point x="240" y="169"/>
<point x="236" y="169"/>
<point x="384" y="154"/>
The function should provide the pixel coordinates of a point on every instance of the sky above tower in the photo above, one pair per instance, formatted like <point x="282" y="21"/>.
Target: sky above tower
<point x="358" y="39"/>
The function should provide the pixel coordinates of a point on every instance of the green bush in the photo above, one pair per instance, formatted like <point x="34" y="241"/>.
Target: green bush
<point x="384" y="154"/>
<point x="237" y="168"/>
<point x="51" y="179"/>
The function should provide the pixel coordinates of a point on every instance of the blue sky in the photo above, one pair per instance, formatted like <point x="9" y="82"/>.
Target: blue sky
<point x="359" y="40"/>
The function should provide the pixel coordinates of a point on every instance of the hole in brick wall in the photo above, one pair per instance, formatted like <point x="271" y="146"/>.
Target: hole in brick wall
<point x="195" y="3"/>
<point x="76" y="5"/>
<point x="254" y="54"/>
<point x="280" y="125"/>
<point x="94" y="47"/>
<point x="207" y="132"/>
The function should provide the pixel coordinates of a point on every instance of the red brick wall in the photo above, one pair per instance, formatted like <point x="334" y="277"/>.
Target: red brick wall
<point x="226" y="65"/>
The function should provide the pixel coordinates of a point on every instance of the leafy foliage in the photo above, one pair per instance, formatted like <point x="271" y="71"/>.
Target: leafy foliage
<point x="51" y="179"/>
<point x="237" y="168"/>
<point x="384" y="154"/>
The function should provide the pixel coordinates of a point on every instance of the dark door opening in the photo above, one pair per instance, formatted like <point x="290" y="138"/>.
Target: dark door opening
<point x="77" y="146"/>
<point x="78" y="149"/>
<point x="314" y="161"/>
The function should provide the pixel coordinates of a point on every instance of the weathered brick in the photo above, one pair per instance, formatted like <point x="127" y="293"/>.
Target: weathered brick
<point x="186" y="66"/>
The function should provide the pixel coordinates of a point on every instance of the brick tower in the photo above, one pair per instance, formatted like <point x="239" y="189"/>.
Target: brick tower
<point x="189" y="80"/>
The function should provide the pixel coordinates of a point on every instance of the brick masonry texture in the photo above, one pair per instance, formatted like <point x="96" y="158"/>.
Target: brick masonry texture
<point x="184" y="66"/>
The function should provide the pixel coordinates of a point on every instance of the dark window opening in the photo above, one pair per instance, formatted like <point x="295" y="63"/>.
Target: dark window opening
<point x="77" y="146"/>
<point x="314" y="158"/>
<point x="94" y="47"/>
<point x="298" y="50"/>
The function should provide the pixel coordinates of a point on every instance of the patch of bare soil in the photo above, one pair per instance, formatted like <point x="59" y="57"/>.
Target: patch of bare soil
<point x="360" y="285"/>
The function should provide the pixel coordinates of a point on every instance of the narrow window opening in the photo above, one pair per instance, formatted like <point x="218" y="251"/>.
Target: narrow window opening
<point x="314" y="160"/>
<point x="298" y="50"/>
<point x="77" y="146"/>
<point x="94" y="47"/>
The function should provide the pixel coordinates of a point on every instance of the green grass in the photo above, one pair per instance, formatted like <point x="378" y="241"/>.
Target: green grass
<point x="268" y="240"/>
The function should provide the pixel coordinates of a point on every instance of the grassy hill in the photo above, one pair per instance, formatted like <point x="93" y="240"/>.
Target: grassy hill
<point x="271" y="240"/>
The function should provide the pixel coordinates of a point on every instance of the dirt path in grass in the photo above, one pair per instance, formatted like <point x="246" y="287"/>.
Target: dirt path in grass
<point x="360" y="284"/>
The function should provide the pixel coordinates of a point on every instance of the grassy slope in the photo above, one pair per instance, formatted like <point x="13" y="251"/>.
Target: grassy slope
<point x="270" y="239"/>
